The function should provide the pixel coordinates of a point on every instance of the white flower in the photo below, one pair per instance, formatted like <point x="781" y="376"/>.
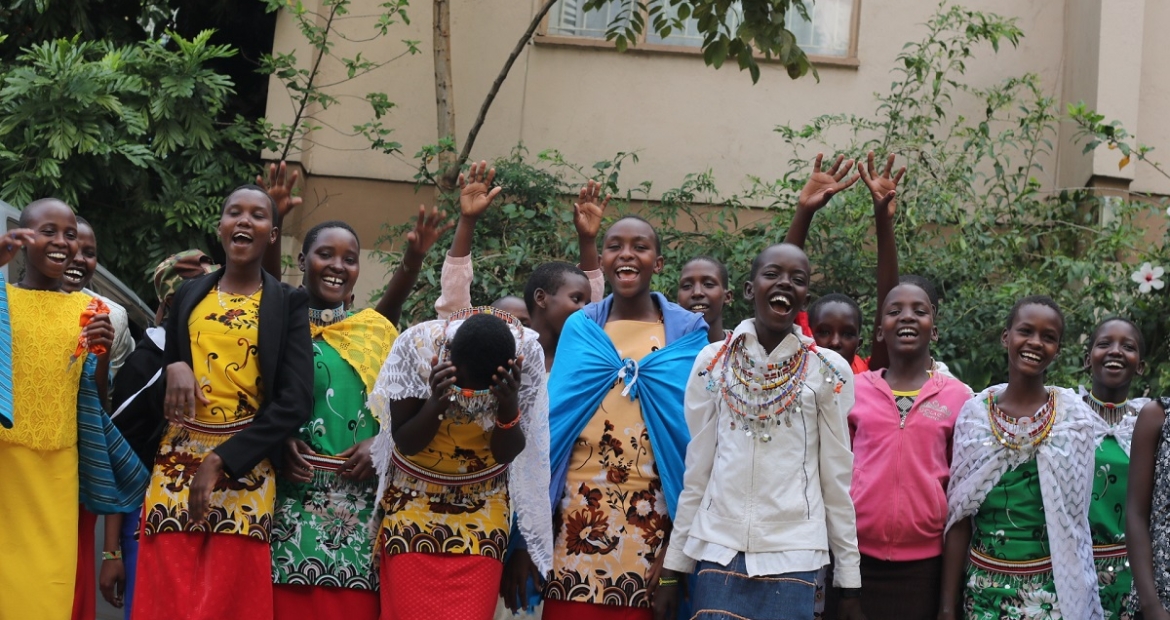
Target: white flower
<point x="1040" y="605"/>
<point x="1167" y="210"/>
<point x="1149" y="277"/>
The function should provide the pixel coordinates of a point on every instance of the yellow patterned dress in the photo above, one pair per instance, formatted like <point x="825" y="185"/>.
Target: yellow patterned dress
<point x="223" y="349"/>
<point x="38" y="458"/>
<point x="613" y="519"/>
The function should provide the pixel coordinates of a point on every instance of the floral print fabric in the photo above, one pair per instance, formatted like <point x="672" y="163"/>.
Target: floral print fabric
<point x="224" y="331"/>
<point x="613" y="518"/>
<point x="324" y="530"/>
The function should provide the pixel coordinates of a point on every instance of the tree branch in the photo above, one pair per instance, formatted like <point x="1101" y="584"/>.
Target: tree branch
<point x="321" y="53"/>
<point x="452" y="174"/>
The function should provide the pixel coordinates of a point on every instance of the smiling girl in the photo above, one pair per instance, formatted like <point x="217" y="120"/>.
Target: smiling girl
<point x="239" y="379"/>
<point x="618" y="437"/>
<point x="1018" y="543"/>
<point x="703" y="287"/>
<point x="1113" y="359"/>
<point x="322" y="547"/>
<point x="769" y="445"/>
<point x="39" y="452"/>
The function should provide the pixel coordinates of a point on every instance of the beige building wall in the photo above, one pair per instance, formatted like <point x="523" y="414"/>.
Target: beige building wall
<point x="682" y="116"/>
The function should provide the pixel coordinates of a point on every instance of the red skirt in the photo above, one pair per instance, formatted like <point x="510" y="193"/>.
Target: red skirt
<point x="573" y="610"/>
<point x="291" y="602"/>
<point x="85" y="588"/>
<point x="425" y="586"/>
<point x="202" y="576"/>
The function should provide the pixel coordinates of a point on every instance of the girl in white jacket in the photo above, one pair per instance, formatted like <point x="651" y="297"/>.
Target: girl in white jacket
<point x="766" y="490"/>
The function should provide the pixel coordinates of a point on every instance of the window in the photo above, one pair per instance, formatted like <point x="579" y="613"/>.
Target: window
<point x="829" y="32"/>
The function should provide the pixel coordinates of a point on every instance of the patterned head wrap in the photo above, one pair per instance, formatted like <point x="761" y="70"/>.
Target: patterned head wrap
<point x="170" y="273"/>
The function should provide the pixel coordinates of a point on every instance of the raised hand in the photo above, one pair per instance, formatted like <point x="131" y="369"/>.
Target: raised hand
<point x="12" y="241"/>
<point x="587" y="212"/>
<point x="427" y="230"/>
<point x="475" y="190"/>
<point x="823" y="185"/>
<point x="279" y="186"/>
<point x="882" y="187"/>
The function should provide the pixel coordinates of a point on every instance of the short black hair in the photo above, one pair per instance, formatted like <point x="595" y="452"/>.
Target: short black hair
<point x="638" y="218"/>
<point x="1120" y="319"/>
<point x="758" y="261"/>
<point x="1035" y="300"/>
<point x="314" y="232"/>
<point x="548" y="277"/>
<point x="724" y="277"/>
<point x="26" y="213"/>
<point x="81" y="221"/>
<point x="251" y="187"/>
<point x="926" y="285"/>
<point x="814" y="310"/>
<point x="482" y="344"/>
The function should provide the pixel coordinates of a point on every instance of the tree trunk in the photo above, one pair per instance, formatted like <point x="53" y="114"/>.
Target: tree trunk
<point x="453" y="172"/>
<point x="444" y="89"/>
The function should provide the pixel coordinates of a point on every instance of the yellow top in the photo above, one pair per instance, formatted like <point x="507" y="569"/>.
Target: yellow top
<point x="613" y="517"/>
<point x="225" y="332"/>
<point x="45" y="327"/>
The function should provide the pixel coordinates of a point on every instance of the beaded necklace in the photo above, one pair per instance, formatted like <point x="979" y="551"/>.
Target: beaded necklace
<point x="241" y="296"/>
<point x="466" y="405"/>
<point x="1024" y="432"/>
<point x="760" y="395"/>
<point x="1112" y="413"/>
<point x="327" y="316"/>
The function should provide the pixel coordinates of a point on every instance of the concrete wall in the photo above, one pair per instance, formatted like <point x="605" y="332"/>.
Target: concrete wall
<point x="682" y="116"/>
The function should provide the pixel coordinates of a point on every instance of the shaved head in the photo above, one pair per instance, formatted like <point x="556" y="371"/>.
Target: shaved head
<point x="28" y="214"/>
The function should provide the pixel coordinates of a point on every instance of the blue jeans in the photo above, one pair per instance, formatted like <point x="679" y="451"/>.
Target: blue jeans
<point x="728" y="593"/>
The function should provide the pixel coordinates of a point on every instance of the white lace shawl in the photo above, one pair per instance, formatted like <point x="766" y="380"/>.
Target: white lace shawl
<point x="1123" y="430"/>
<point x="406" y="374"/>
<point x="1065" y="464"/>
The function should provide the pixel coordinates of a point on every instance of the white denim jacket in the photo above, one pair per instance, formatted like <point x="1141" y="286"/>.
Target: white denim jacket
<point x="784" y="503"/>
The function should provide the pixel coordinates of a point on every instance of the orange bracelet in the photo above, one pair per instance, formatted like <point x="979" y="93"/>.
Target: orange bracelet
<point x="508" y="425"/>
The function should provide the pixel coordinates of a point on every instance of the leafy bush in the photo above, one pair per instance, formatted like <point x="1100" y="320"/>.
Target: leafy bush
<point x="971" y="216"/>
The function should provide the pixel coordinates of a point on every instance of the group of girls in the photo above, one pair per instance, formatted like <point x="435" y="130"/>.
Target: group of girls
<point x="618" y="456"/>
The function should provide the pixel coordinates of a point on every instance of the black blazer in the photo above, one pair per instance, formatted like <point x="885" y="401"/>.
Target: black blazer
<point x="285" y="352"/>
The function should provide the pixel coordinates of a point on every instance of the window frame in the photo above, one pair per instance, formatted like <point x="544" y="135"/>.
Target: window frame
<point x="542" y="37"/>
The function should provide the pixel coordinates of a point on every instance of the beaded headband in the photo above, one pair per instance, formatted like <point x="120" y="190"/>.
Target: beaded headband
<point x="466" y="313"/>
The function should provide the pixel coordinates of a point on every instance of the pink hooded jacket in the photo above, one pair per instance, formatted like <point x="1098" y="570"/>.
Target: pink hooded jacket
<point x="900" y="474"/>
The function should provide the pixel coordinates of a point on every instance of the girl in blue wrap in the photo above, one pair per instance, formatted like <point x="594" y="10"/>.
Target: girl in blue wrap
<point x="618" y="435"/>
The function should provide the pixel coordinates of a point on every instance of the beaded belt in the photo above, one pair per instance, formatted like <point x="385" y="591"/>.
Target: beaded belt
<point x="447" y="480"/>
<point x="216" y="429"/>
<point x="1105" y="552"/>
<point x="1011" y="567"/>
<point x="323" y="462"/>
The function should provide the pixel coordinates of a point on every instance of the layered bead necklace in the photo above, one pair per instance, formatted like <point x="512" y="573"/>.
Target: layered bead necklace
<point x="467" y="405"/>
<point x="759" y="395"/>
<point x="1024" y="432"/>
<point x="1112" y="413"/>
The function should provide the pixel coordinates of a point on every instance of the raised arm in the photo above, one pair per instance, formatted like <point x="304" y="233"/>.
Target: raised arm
<point x="820" y="188"/>
<point x="1147" y="435"/>
<point x="427" y="230"/>
<point x="279" y="186"/>
<point x="883" y="190"/>
<point x="476" y="194"/>
<point x="587" y="214"/>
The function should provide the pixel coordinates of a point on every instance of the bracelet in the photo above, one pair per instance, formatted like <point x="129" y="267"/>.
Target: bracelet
<point x="663" y="581"/>
<point x="849" y="592"/>
<point x="112" y="555"/>
<point x="507" y="425"/>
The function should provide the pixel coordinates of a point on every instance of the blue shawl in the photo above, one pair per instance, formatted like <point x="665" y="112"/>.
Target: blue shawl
<point x="6" y="406"/>
<point x="587" y="366"/>
<point x="113" y="479"/>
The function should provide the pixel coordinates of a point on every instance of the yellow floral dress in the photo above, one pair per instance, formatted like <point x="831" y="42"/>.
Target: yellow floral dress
<point x="613" y="519"/>
<point x="38" y="457"/>
<point x="224" y="355"/>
